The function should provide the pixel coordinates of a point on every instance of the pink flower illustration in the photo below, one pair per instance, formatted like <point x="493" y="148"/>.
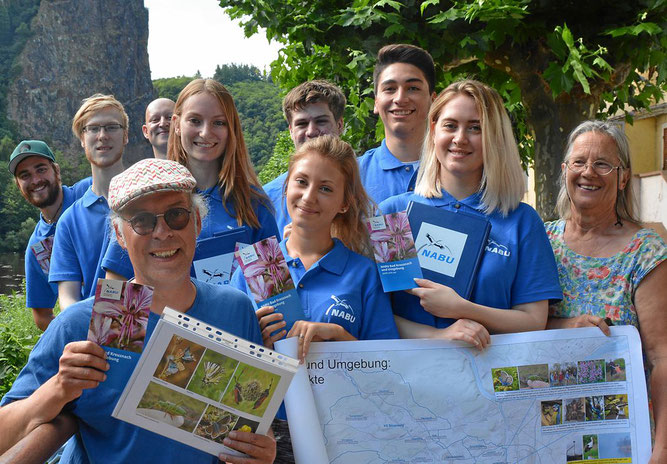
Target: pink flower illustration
<point x="260" y="289"/>
<point x="268" y="275"/>
<point x="397" y="235"/>
<point x="381" y="252"/>
<point x="129" y="319"/>
<point x="99" y="329"/>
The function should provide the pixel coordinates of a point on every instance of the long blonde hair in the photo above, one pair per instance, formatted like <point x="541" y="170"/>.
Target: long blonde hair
<point x="237" y="178"/>
<point x="348" y="227"/>
<point x="503" y="183"/>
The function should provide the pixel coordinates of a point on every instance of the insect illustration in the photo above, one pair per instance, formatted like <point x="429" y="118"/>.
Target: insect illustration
<point x="263" y="396"/>
<point x="505" y="379"/>
<point x="175" y="362"/>
<point x="213" y="373"/>
<point x="216" y="423"/>
<point x="238" y="396"/>
<point x="171" y="409"/>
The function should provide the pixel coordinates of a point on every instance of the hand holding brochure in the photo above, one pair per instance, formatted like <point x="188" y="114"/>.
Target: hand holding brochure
<point x="118" y="324"/>
<point x="394" y="251"/>
<point x="450" y="245"/>
<point x="196" y="383"/>
<point x="265" y="270"/>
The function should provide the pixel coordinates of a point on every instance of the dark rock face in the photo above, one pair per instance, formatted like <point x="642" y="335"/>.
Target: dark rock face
<point x="79" y="48"/>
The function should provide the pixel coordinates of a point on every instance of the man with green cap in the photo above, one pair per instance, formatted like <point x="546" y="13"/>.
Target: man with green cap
<point x="37" y="176"/>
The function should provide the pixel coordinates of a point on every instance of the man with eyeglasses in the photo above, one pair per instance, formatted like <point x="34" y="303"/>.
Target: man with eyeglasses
<point x="83" y="233"/>
<point x="156" y="127"/>
<point x="156" y="217"/>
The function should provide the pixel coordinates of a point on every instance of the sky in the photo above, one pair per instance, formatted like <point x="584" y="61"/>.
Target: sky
<point x="186" y="36"/>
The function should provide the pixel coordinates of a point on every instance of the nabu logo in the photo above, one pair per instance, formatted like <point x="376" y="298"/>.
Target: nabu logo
<point x="341" y="308"/>
<point x="494" y="247"/>
<point x="435" y="249"/>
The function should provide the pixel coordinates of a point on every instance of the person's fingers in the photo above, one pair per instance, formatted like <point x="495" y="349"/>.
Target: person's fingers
<point x="278" y="336"/>
<point x="264" y="311"/>
<point x="270" y="326"/>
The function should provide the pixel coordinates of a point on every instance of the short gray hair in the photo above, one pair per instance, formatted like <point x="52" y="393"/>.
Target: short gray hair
<point x="625" y="201"/>
<point x="197" y="201"/>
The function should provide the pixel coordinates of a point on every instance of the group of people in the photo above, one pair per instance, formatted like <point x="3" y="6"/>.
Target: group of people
<point x="455" y="150"/>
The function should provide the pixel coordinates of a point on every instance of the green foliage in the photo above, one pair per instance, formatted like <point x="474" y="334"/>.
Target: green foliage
<point x="279" y="160"/>
<point x="18" y="334"/>
<point x="257" y="101"/>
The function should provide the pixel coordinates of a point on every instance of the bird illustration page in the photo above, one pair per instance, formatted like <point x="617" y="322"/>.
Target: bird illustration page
<point x="394" y="251"/>
<point x="214" y="256"/>
<point x="552" y="396"/>
<point x="118" y="324"/>
<point x="195" y="384"/>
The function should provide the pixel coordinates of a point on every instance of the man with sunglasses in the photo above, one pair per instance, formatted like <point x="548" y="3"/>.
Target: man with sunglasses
<point x="83" y="232"/>
<point x="156" y="217"/>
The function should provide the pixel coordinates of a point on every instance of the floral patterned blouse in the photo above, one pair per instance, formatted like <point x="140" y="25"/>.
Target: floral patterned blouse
<point x="604" y="287"/>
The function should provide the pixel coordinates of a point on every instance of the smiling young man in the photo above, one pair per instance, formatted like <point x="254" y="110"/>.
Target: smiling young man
<point x="312" y="109"/>
<point x="82" y="236"/>
<point x="157" y="218"/>
<point x="404" y="83"/>
<point x="156" y="127"/>
<point x="37" y="176"/>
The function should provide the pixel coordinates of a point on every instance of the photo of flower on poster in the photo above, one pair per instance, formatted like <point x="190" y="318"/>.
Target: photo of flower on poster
<point x="266" y="272"/>
<point x="394" y="241"/>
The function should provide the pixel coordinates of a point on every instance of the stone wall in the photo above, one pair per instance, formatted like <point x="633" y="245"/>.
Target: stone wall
<point x="78" y="48"/>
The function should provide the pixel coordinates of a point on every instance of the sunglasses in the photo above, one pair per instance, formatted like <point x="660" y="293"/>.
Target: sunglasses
<point x="144" y="223"/>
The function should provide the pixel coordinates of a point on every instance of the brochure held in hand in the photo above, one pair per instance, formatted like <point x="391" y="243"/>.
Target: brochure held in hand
<point x="450" y="245"/>
<point x="195" y="384"/>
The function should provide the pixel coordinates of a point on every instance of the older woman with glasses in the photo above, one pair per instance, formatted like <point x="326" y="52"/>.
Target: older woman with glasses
<point x="611" y="270"/>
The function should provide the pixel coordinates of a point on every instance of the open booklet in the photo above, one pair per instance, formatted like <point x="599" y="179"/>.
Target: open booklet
<point x="195" y="383"/>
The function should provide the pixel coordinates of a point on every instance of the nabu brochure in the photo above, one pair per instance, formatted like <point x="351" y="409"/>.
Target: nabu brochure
<point x="195" y="383"/>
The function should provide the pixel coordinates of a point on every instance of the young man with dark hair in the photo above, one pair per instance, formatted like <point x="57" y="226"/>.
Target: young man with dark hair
<point x="404" y="84"/>
<point x="311" y="109"/>
<point x="37" y="176"/>
<point x="82" y="236"/>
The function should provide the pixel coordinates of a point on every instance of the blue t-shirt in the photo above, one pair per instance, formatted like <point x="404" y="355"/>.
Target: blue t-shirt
<point x="104" y="438"/>
<point x="39" y="292"/>
<point x="383" y="175"/>
<point x="342" y="288"/>
<point x="517" y="267"/>
<point x="275" y="191"/>
<point x="217" y="220"/>
<point x="81" y="239"/>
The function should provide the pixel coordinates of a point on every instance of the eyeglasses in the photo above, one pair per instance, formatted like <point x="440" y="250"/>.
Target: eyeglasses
<point x="96" y="128"/>
<point x="144" y="223"/>
<point x="601" y="168"/>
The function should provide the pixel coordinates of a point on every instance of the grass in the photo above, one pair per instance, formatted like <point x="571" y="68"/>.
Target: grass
<point x="18" y="334"/>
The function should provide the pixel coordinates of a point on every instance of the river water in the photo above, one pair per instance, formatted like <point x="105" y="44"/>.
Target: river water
<point x="12" y="272"/>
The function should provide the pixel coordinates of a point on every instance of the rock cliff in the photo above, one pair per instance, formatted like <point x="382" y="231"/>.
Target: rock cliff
<point x="78" y="48"/>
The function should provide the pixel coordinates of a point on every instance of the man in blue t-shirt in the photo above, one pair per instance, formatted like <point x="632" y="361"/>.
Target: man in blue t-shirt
<point x="82" y="237"/>
<point x="404" y="84"/>
<point x="311" y="109"/>
<point x="156" y="218"/>
<point x="37" y="176"/>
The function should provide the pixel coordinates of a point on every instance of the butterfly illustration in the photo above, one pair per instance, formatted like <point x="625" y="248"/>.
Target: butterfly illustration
<point x="505" y="379"/>
<point x="175" y="362"/>
<point x="213" y="373"/>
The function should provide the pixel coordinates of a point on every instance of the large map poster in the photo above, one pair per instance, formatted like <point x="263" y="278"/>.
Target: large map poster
<point x="558" y="396"/>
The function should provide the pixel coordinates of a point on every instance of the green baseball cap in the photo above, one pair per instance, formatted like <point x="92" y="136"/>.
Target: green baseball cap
<point x="29" y="148"/>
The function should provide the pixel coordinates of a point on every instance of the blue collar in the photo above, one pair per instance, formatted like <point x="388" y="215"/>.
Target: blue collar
<point x="473" y="202"/>
<point x="333" y="262"/>
<point x="387" y="159"/>
<point x="90" y="198"/>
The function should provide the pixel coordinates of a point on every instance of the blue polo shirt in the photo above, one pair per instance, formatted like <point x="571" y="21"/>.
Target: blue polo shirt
<point x="39" y="292"/>
<point x="81" y="239"/>
<point x="217" y="220"/>
<point x="517" y="267"/>
<point x="109" y="440"/>
<point x="383" y="175"/>
<point x="274" y="190"/>
<point x="342" y="288"/>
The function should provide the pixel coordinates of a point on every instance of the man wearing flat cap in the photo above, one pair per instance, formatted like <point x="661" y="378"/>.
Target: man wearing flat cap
<point x="37" y="176"/>
<point x="156" y="217"/>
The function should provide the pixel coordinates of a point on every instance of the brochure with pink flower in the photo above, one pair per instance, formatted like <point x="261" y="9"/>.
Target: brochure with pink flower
<point x="394" y="251"/>
<point x="118" y="324"/>
<point x="269" y="281"/>
<point x="42" y="251"/>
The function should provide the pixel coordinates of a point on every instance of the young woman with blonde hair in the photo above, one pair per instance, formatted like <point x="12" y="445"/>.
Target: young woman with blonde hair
<point x="470" y="163"/>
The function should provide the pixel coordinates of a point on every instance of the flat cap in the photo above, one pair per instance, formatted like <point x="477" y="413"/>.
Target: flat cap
<point x="149" y="176"/>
